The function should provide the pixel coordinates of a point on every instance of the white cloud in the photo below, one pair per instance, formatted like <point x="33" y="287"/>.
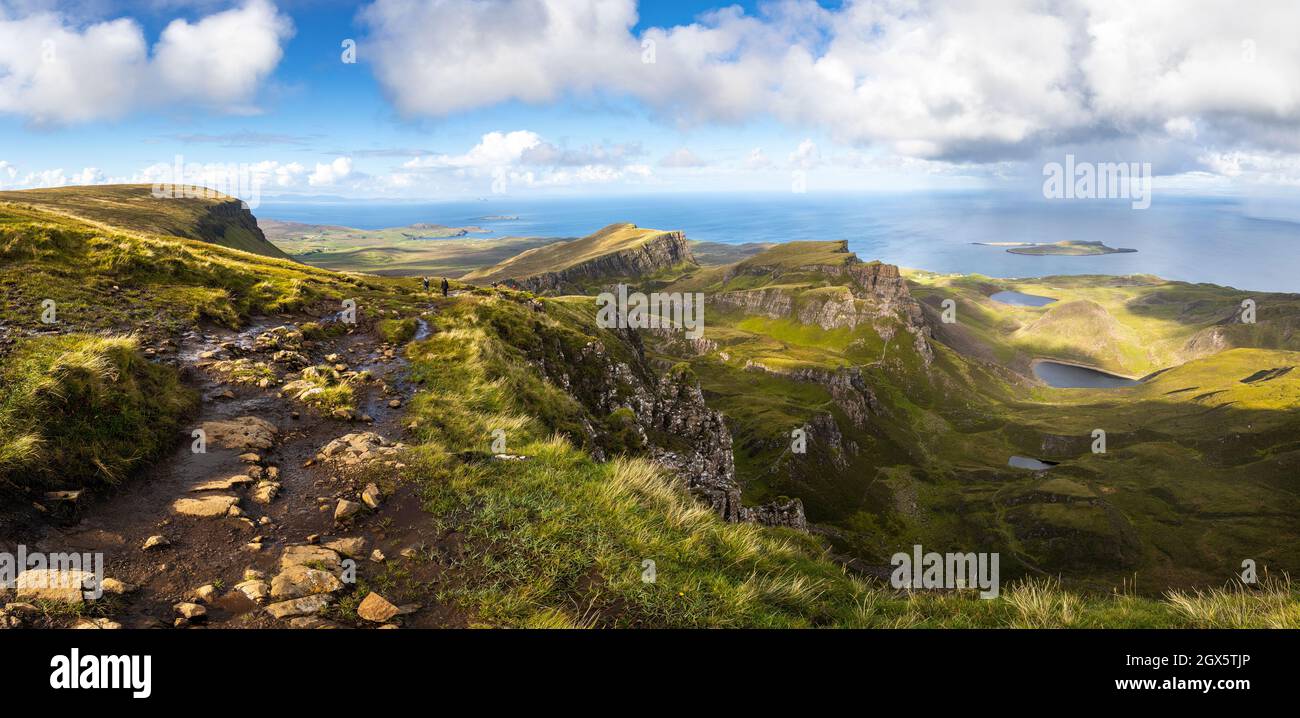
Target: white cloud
<point x="88" y="175"/>
<point x="470" y="55"/>
<point x="805" y="156"/>
<point x="331" y="173"/>
<point x="524" y="158"/>
<point x="1275" y="168"/>
<point x="223" y="58"/>
<point x="956" y="80"/>
<point x="495" y="149"/>
<point x="55" y="71"/>
<point x="11" y="177"/>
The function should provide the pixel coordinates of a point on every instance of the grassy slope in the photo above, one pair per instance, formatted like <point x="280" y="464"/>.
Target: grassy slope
<point x="562" y="255"/>
<point x="396" y="251"/>
<point x="1144" y="323"/>
<point x="84" y="406"/>
<point x="133" y="207"/>
<point x="77" y="409"/>
<point x="558" y="539"/>
<point x="1194" y="481"/>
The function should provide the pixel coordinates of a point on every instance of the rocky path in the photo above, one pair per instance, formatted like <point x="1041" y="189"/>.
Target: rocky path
<point x="283" y="518"/>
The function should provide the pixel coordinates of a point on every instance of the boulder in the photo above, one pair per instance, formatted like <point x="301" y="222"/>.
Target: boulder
<point x="350" y="547"/>
<point x="191" y="611"/>
<point x="222" y="484"/>
<point x="356" y="448"/>
<point x="377" y="609"/>
<point x="265" y="492"/>
<point x="246" y="432"/>
<point x="346" y="509"/>
<point x="311" y="556"/>
<point x="371" y="496"/>
<point x="299" y="581"/>
<point x="255" y="590"/>
<point x="97" y="624"/>
<point x="205" y="593"/>
<point x="116" y="587"/>
<point x="48" y="584"/>
<point x="304" y="606"/>
<point x="206" y="507"/>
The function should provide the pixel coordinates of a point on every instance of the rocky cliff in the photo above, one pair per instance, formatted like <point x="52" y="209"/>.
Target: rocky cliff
<point x="660" y="252"/>
<point x="662" y="416"/>
<point x="829" y="294"/>
<point x="231" y="224"/>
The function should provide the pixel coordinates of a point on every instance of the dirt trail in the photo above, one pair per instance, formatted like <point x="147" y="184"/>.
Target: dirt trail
<point x="218" y="551"/>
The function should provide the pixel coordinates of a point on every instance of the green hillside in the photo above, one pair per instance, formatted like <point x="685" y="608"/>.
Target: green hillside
<point x="219" y="220"/>
<point x="559" y="257"/>
<point x="907" y="448"/>
<point x="557" y="530"/>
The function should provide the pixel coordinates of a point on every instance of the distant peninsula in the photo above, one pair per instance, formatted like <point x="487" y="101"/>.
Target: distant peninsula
<point x="1067" y="248"/>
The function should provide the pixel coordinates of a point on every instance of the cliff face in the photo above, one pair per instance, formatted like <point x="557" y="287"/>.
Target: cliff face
<point x="231" y="224"/>
<point x="858" y="293"/>
<point x="663" y="251"/>
<point x="847" y="387"/>
<point x="667" y="419"/>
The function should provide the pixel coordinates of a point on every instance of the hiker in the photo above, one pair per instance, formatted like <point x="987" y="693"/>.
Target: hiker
<point x="445" y="286"/>
<point x="426" y="284"/>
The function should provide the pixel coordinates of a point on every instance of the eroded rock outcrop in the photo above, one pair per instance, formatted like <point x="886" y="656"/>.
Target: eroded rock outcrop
<point x="870" y="293"/>
<point x="660" y="252"/>
<point x="846" y="385"/>
<point x="666" y="418"/>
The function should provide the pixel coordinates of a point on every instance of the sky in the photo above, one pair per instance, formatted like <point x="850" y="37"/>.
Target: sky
<point x="435" y="99"/>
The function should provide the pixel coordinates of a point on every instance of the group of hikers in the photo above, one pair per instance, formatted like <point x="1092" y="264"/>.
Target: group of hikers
<point x="446" y="287"/>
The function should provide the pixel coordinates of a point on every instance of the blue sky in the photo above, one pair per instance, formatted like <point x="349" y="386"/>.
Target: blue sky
<point x="467" y="98"/>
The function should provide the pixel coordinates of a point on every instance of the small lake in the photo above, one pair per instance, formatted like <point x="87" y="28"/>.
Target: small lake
<point x="1025" y="462"/>
<point x="1020" y="299"/>
<point x="1068" y="376"/>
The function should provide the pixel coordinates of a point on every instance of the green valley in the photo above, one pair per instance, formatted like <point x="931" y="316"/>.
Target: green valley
<point x="503" y="460"/>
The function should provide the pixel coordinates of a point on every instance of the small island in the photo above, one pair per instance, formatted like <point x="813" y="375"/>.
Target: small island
<point x="1069" y="248"/>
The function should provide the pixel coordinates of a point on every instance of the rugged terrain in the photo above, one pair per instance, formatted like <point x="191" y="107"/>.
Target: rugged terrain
<point x="619" y="251"/>
<point x="221" y="220"/>
<point x="375" y="455"/>
<point x="911" y="420"/>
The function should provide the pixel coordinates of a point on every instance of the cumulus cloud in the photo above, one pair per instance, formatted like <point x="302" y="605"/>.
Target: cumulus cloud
<point x="56" y="71"/>
<point x="524" y="158"/>
<point x="956" y="80"/>
<point x="495" y="149"/>
<point x="11" y="177"/>
<point x="331" y="173"/>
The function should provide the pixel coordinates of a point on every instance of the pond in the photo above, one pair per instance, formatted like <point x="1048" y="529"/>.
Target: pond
<point x="1021" y="299"/>
<point x="1025" y="462"/>
<point x="1069" y="376"/>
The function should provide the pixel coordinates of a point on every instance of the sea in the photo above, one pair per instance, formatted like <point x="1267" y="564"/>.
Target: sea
<point x="1247" y="243"/>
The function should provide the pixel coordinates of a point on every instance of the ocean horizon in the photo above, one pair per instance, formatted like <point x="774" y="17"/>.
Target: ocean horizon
<point x="1246" y="244"/>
